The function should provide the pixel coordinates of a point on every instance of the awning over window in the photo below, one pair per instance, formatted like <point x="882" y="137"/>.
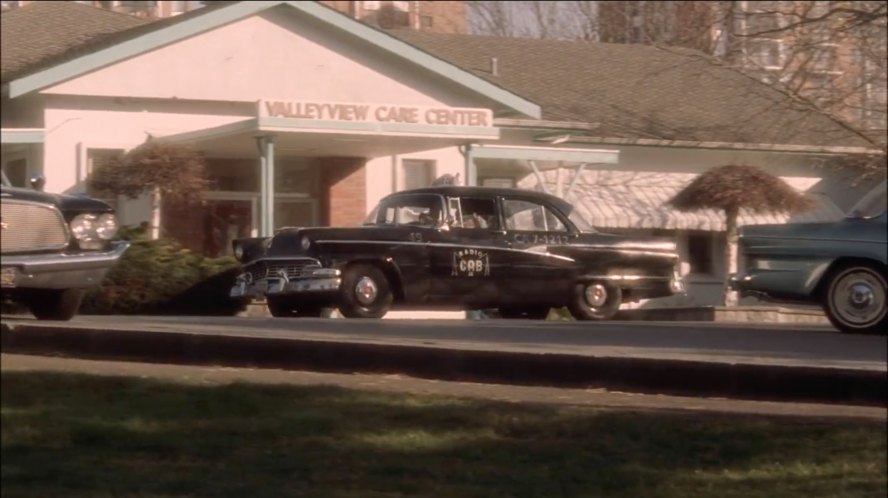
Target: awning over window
<point x="626" y="199"/>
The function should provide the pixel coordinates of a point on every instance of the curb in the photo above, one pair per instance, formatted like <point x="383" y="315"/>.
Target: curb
<point x="642" y="375"/>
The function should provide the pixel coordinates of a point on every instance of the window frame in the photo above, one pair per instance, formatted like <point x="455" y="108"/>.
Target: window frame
<point x="567" y="227"/>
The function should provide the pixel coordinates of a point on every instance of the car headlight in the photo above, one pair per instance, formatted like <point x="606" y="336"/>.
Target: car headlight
<point x="306" y="243"/>
<point x="91" y="230"/>
<point x="106" y="226"/>
<point x="239" y="251"/>
<point x="83" y="226"/>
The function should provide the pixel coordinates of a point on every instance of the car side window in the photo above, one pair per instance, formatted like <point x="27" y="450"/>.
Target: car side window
<point x="474" y="213"/>
<point x="414" y="210"/>
<point x="530" y="217"/>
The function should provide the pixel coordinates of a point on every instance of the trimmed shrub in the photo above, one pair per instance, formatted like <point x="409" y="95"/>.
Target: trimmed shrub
<point x="160" y="277"/>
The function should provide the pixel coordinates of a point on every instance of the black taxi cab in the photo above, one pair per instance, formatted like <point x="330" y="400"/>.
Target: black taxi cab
<point x="453" y="247"/>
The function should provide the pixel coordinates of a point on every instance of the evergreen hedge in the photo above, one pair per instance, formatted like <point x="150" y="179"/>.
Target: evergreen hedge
<point x="160" y="277"/>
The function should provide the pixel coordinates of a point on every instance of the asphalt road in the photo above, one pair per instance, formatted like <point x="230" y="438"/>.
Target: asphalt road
<point x="734" y="343"/>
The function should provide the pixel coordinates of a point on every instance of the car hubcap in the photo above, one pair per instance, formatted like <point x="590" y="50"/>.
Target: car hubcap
<point x="366" y="290"/>
<point x="596" y="295"/>
<point x="859" y="299"/>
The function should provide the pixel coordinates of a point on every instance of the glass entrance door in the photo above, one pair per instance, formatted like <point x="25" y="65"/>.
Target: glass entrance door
<point x="224" y="221"/>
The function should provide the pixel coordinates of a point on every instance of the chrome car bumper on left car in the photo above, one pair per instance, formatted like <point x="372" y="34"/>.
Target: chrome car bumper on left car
<point x="297" y="277"/>
<point x="60" y="271"/>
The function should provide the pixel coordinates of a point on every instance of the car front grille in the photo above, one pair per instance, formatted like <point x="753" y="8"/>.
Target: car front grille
<point x="29" y="226"/>
<point x="293" y="268"/>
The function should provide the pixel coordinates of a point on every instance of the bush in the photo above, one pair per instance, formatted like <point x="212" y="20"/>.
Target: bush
<point x="160" y="277"/>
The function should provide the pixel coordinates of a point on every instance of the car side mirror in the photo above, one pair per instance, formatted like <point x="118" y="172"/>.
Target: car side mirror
<point x="37" y="182"/>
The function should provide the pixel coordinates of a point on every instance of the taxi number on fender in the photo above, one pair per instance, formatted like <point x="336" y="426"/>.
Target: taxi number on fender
<point x="7" y="277"/>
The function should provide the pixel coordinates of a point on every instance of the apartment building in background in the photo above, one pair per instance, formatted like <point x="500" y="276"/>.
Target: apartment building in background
<point x="434" y="16"/>
<point x="808" y="46"/>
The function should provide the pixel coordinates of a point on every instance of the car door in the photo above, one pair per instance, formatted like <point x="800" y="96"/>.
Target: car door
<point x="469" y="256"/>
<point x="533" y="231"/>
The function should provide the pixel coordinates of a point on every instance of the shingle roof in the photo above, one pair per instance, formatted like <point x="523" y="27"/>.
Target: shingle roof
<point x="639" y="91"/>
<point x="632" y="91"/>
<point x="40" y="32"/>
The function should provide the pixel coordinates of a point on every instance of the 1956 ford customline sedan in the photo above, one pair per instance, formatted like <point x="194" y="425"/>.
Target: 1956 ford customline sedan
<point x="453" y="247"/>
<point x="54" y="247"/>
<point x="840" y="266"/>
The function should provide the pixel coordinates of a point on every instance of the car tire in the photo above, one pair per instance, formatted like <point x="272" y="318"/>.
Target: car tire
<point x="595" y="300"/>
<point x="55" y="304"/>
<point x="365" y="292"/>
<point x="284" y="307"/>
<point x="527" y="312"/>
<point x="855" y="299"/>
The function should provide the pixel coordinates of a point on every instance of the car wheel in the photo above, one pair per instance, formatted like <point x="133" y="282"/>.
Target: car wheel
<point x="855" y="299"/>
<point x="365" y="292"/>
<point x="595" y="300"/>
<point x="283" y="307"/>
<point x="528" y="312"/>
<point x="55" y="304"/>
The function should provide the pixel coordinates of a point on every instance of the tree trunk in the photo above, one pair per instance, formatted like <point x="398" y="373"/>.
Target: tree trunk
<point x="731" y="216"/>
<point x="155" y="214"/>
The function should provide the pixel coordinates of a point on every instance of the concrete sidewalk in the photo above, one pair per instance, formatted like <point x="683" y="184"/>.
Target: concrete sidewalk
<point x="723" y="378"/>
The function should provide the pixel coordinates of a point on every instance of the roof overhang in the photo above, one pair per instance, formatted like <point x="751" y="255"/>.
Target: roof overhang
<point x="310" y="137"/>
<point x="21" y="135"/>
<point x="240" y="10"/>
<point x="579" y="133"/>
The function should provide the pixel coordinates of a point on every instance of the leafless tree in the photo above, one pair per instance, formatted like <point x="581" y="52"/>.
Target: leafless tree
<point x="829" y="54"/>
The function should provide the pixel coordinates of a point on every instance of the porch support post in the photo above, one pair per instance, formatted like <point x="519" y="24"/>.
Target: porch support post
<point x="266" y="209"/>
<point x="471" y="167"/>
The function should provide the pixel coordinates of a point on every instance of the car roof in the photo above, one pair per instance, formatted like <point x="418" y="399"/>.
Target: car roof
<point x="457" y="190"/>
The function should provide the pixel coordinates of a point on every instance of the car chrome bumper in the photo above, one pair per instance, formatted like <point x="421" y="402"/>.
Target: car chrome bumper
<point x="319" y="281"/>
<point x="62" y="271"/>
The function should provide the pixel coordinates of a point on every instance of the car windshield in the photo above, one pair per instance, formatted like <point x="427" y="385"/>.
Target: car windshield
<point x="873" y="203"/>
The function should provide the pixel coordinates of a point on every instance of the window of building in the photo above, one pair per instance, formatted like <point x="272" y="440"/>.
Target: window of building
<point x="530" y="217"/>
<point x="700" y="254"/>
<point x="233" y="175"/>
<point x="95" y="160"/>
<point x="17" y="172"/>
<point x="426" y="21"/>
<point x="765" y="47"/>
<point x="417" y="173"/>
<point x="825" y="58"/>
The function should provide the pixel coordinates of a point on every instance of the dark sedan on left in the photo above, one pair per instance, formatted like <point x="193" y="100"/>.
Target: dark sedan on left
<point x="54" y="247"/>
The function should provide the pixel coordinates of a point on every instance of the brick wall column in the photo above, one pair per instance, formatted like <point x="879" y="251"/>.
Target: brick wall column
<point x="343" y="190"/>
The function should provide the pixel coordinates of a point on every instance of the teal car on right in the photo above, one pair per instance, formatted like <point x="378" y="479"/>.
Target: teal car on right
<point x="842" y="266"/>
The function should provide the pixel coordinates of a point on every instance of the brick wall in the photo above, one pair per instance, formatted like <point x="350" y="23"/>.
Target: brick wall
<point x="344" y="190"/>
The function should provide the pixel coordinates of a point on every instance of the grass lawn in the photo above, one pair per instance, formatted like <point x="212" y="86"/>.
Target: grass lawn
<point x="69" y="435"/>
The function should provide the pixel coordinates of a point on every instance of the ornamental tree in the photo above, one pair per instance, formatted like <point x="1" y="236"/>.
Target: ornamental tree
<point x="731" y="188"/>
<point x="162" y="170"/>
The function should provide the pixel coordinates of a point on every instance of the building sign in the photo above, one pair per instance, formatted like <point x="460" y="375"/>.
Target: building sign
<point x="376" y="113"/>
